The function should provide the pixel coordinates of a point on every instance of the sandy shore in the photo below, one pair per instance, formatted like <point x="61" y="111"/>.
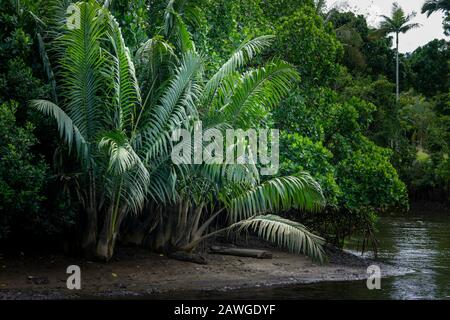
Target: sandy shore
<point x="136" y="273"/>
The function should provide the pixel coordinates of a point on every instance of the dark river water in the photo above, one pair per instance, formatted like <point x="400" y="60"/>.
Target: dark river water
<point x="419" y="240"/>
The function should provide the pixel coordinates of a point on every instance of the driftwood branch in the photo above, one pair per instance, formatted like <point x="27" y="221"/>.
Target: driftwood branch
<point x="188" y="257"/>
<point x="252" y="253"/>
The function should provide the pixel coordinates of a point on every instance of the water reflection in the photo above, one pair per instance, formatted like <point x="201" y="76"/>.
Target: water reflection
<point x="419" y="241"/>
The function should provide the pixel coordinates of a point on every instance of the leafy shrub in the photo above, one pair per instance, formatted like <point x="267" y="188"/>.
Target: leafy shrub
<point x="305" y="41"/>
<point x="302" y="154"/>
<point x="368" y="179"/>
<point x="22" y="176"/>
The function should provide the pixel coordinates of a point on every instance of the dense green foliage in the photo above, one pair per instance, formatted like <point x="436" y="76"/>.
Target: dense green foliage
<point x="429" y="65"/>
<point x="135" y="70"/>
<point x="22" y="176"/>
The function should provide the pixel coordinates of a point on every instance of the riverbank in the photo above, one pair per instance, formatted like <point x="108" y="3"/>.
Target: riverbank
<point x="136" y="273"/>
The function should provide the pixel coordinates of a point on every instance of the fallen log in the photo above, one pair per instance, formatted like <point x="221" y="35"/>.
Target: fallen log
<point x="240" y="252"/>
<point x="188" y="257"/>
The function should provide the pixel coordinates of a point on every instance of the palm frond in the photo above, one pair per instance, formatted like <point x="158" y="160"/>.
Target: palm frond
<point x="174" y="26"/>
<point x="176" y="105"/>
<point x="154" y="60"/>
<point x="286" y="233"/>
<point x="82" y="70"/>
<point x="320" y="6"/>
<point x="134" y="186"/>
<point x="162" y="186"/>
<point x="279" y="194"/>
<point x="47" y="66"/>
<point x="121" y="155"/>
<point x="129" y="178"/>
<point x="258" y="91"/>
<point x="224" y="174"/>
<point x="387" y="25"/>
<point x="245" y="53"/>
<point x="409" y="26"/>
<point x="127" y="99"/>
<point x="67" y="129"/>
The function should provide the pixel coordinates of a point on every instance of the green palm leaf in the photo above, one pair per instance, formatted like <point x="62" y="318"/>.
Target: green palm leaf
<point x="121" y="155"/>
<point x="67" y="129"/>
<point x="246" y="51"/>
<point x="83" y="66"/>
<point x="257" y="92"/>
<point x="275" y="195"/>
<point x="286" y="233"/>
<point x="127" y="99"/>
<point x="175" y="27"/>
<point x="154" y="64"/>
<point x="177" y="103"/>
<point x="129" y="177"/>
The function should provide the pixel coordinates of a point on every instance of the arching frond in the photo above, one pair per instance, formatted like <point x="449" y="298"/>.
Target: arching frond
<point x="409" y="26"/>
<point x="121" y="155"/>
<point x="126" y="94"/>
<point x="258" y="91"/>
<point x="387" y="25"/>
<point x="83" y="65"/>
<point x="134" y="187"/>
<point x="175" y="27"/>
<point x="154" y="62"/>
<point x="320" y="6"/>
<point x="67" y="129"/>
<point x="177" y="103"/>
<point x="275" y="195"/>
<point x="162" y="186"/>
<point x="224" y="174"/>
<point x="246" y="51"/>
<point x="128" y="178"/>
<point x="286" y="233"/>
<point x="47" y="66"/>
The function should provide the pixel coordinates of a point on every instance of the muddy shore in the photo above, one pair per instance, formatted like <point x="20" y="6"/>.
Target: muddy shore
<point x="136" y="273"/>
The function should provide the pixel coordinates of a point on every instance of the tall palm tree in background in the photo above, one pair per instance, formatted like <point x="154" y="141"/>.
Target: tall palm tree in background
<point x="397" y="23"/>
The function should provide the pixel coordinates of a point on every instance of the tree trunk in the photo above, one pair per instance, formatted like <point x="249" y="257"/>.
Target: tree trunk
<point x="89" y="237"/>
<point x="160" y="239"/>
<point x="397" y="92"/>
<point x="102" y="250"/>
<point x="177" y="229"/>
<point x="109" y="233"/>
<point x="138" y="230"/>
